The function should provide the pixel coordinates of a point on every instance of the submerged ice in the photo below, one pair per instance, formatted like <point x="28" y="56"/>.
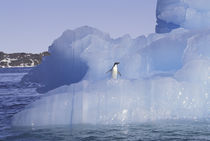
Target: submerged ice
<point x="164" y="76"/>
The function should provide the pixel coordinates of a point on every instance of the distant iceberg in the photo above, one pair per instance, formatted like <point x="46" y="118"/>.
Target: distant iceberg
<point x="164" y="76"/>
<point x="188" y="14"/>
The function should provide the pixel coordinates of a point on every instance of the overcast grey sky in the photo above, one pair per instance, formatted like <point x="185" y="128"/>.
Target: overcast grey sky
<point x="32" y="25"/>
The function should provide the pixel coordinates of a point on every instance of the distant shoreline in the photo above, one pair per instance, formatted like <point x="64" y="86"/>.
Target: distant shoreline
<point x="21" y="60"/>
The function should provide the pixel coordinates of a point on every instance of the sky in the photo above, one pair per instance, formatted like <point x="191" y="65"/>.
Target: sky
<point x="33" y="25"/>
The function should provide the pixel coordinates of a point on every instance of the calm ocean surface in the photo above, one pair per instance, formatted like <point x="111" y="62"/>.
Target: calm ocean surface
<point x="14" y="97"/>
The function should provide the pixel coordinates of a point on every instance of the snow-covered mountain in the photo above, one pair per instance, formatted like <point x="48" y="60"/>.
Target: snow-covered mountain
<point x="20" y="59"/>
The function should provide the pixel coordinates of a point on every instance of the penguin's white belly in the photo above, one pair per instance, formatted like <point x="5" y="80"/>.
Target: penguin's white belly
<point x="114" y="73"/>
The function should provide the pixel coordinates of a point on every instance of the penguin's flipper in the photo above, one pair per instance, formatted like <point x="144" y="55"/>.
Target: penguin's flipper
<point x="119" y="73"/>
<point x="109" y="71"/>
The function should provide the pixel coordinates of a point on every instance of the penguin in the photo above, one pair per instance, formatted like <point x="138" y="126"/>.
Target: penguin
<point x="114" y="70"/>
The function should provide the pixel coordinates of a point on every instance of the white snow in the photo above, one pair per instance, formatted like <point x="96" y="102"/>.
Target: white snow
<point x="164" y="76"/>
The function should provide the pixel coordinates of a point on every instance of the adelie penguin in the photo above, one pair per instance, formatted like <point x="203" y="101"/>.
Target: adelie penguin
<point x="114" y="70"/>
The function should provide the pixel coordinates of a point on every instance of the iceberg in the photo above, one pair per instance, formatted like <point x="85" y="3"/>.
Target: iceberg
<point x="188" y="14"/>
<point x="164" y="76"/>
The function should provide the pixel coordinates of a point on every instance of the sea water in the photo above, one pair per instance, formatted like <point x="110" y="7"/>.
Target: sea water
<point x="14" y="97"/>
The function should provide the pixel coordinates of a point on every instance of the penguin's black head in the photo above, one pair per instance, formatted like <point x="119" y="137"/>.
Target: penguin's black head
<point x="116" y="63"/>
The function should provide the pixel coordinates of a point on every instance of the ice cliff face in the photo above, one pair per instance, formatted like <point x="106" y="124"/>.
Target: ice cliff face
<point x="188" y="14"/>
